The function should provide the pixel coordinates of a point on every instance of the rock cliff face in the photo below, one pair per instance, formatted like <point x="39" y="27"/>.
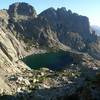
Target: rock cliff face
<point x="23" y="32"/>
<point x="11" y="51"/>
<point x="64" y="20"/>
<point x="52" y="28"/>
<point x="70" y="27"/>
<point x="21" y="11"/>
<point x="72" y="30"/>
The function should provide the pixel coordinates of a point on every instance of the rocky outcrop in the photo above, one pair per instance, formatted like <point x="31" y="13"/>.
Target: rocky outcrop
<point x="20" y="11"/>
<point x="64" y="21"/>
<point x="94" y="49"/>
<point x="11" y="51"/>
<point x="72" y="30"/>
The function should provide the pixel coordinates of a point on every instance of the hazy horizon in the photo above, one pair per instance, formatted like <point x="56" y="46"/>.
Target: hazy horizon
<point x="89" y="8"/>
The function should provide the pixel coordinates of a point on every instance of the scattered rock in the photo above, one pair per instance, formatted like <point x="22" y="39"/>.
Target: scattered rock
<point x="13" y="78"/>
<point x="27" y="82"/>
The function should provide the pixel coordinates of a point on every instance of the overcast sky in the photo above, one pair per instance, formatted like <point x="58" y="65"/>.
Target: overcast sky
<point x="89" y="8"/>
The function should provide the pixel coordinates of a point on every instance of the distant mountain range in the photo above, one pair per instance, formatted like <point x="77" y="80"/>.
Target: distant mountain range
<point x="96" y="29"/>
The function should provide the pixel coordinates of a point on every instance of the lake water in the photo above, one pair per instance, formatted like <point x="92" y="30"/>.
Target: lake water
<point x="51" y="60"/>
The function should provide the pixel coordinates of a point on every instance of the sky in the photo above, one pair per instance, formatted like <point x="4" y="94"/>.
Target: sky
<point x="89" y="8"/>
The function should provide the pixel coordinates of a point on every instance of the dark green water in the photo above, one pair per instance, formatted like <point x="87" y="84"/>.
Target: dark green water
<point x="52" y="60"/>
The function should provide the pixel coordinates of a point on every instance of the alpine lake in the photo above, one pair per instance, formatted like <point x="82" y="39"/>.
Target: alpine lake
<point x="52" y="60"/>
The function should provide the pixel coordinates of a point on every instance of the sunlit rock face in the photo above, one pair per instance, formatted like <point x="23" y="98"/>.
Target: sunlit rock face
<point x="11" y="51"/>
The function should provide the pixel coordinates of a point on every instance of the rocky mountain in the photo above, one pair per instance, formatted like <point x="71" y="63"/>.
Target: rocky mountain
<point x="21" y="11"/>
<point x="53" y="28"/>
<point x="23" y="32"/>
<point x="72" y="29"/>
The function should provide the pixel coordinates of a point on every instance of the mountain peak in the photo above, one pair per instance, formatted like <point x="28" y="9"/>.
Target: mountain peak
<point x="19" y="9"/>
<point x="62" y="9"/>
